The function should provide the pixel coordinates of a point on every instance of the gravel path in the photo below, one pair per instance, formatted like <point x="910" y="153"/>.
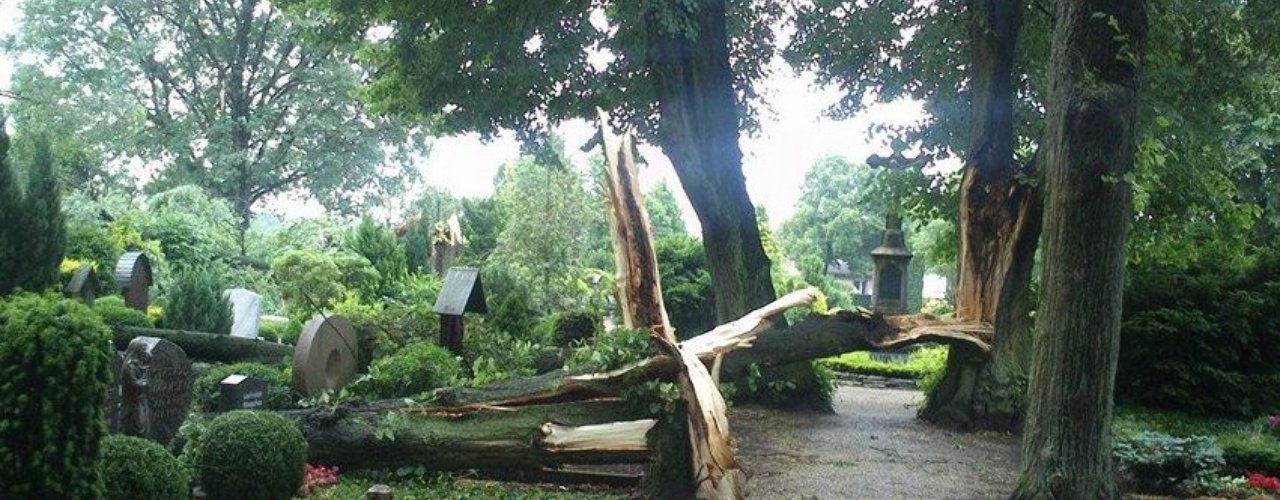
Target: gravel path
<point x="873" y="447"/>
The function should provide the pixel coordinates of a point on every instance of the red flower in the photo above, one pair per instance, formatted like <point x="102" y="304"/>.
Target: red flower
<point x="1264" y="482"/>
<point x="317" y="477"/>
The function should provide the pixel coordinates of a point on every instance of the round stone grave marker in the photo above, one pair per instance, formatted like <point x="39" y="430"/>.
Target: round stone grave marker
<point x="326" y="355"/>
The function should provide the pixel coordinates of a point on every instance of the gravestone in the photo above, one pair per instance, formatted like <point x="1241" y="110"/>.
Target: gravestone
<point x="461" y="293"/>
<point x="133" y="276"/>
<point x="326" y="356"/>
<point x="891" y="258"/>
<point x="155" y="389"/>
<point x="83" y="285"/>
<point x="242" y="392"/>
<point x="112" y="404"/>
<point x="246" y="311"/>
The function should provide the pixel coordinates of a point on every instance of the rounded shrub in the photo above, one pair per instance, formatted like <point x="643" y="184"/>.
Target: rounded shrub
<point x="575" y="326"/>
<point x="54" y="374"/>
<point x="139" y="469"/>
<point x="195" y="303"/>
<point x="207" y="392"/>
<point x="251" y="455"/>
<point x="414" y="369"/>
<point x="114" y="312"/>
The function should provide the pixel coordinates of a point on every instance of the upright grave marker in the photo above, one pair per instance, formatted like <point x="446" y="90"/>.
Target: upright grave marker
<point x="326" y="356"/>
<point x="462" y="293"/>
<point x="83" y="285"/>
<point x="242" y="392"/>
<point x="246" y="311"/>
<point x="889" y="288"/>
<point x="133" y="276"/>
<point x="155" y="389"/>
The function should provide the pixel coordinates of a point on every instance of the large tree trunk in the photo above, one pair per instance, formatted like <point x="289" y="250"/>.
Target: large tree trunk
<point x="698" y="129"/>
<point x="210" y="347"/>
<point x="999" y="227"/>
<point x="1089" y="155"/>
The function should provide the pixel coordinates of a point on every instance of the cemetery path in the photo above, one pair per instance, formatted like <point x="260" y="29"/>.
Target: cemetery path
<point x="872" y="447"/>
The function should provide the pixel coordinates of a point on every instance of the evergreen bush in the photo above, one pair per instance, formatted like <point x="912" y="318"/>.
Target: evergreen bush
<point x="379" y="245"/>
<point x="1157" y="462"/>
<point x="54" y="356"/>
<point x="412" y="370"/>
<point x="206" y="392"/>
<point x="139" y="469"/>
<point x="44" y="228"/>
<point x="10" y="218"/>
<point x="114" y="312"/>
<point x="575" y="326"/>
<point x="251" y="455"/>
<point x="196" y="303"/>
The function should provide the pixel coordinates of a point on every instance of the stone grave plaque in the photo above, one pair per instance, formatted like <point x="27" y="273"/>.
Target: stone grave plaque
<point x="246" y="310"/>
<point x="155" y="389"/>
<point x="242" y="392"/>
<point x="326" y="356"/>
<point x="83" y="285"/>
<point x="133" y="277"/>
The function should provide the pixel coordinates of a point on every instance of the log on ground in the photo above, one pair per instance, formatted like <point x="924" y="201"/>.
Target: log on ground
<point x="210" y="347"/>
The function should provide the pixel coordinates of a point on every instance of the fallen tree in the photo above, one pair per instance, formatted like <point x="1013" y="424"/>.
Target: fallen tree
<point x="209" y="346"/>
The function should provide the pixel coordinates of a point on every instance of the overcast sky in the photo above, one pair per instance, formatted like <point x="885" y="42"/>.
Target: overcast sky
<point x="794" y="133"/>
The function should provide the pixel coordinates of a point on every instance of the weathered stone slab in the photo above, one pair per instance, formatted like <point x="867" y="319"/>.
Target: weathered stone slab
<point x="155" y="389"/>
<point x="246" y="312"/>
<point x="242" y="392"/>
<point x="326" y="356"/>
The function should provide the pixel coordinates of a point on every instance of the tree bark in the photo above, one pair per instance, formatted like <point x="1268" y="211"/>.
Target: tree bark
<point x="209" y="346"/>
<point x="1000" y="216"/>
<point x="1089" y="155"/>
<point x="698" y="129"/>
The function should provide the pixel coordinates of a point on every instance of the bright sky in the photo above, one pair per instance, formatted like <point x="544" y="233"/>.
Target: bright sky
<point x="794" y="133"/>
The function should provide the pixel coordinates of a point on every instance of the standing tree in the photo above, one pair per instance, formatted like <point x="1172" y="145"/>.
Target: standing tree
<point x="680" y="72"/>
<point x="43" y="226"/>
<point x="835" y="219"/>
<point x="10" y="218"/>
<point x="1089" y="156"/>
<point x="224" y="95"/>
<point x="664" y="213"/>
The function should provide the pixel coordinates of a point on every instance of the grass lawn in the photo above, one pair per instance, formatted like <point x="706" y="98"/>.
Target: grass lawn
<point x="1247" y="445"/>
<point x="446" y="488"/>
<point x="924" y="362"/>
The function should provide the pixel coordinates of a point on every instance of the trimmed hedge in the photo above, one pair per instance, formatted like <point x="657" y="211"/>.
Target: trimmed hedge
<point x="139" y="469"/>
<point x="54" y="356"/>
<point x="412" y="370"/>
<point x="115" y="313"/>
<point x="206" y="392"/>
<point x="251" y="455"/>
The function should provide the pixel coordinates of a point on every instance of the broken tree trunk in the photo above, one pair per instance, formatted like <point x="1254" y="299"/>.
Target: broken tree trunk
<point x="209" y="346"/>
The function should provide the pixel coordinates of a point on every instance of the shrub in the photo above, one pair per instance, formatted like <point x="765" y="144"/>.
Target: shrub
<point x="1251" y="451"/>
<point x="250" y="455"/>
<point x="92" y="243"/>
<point x="53" y="381"/>
<point x="384" y="328"/>
<point x="575" y="326"/>
<point x="378" y="244"/>
<point x="686" y="284"/>
<point x="618" y="348"/>
<point x="495" y="355"/>
<point x="139" y="469"/>
<point x="1203" y="339"/>
<point x="206" y="391"/>
<point x="196" y="303"/>
<point x="1157" y="462"/>
<point x="114" y="312"/>
<point x="414" y="369"/>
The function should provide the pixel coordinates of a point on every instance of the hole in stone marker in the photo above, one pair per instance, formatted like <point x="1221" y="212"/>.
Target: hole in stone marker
<point x="331" y="369"/>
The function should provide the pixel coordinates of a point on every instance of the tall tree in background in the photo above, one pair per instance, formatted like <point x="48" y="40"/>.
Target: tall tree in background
<point x="836" y="217"/>
<point x="664" y="212"/>
<point x="10" y="217"/>
<point x="1089" y="150"/>
<point x="44" y="228"/>
<point x="680" y="72"/>
<point x="224" y="95"/>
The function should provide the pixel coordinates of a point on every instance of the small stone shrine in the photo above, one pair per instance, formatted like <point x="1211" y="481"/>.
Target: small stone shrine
<point x="242" y="392"/>
<point x="155" y="389"/>
<point x="326" y="356"/>
<point x="462" y="293"/>
<point x="246" y="311"/>
<point x="133" y="276"/>
<point x="892" y="258"/>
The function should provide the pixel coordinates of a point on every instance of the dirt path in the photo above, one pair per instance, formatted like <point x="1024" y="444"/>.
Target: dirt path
<point x="873" y="447"/>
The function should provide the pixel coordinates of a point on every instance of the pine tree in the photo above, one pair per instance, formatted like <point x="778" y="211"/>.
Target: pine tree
<point x="41" y="224"/>
<point x="10" y="209"/>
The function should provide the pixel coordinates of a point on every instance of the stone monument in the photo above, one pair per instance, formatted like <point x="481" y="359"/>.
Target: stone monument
<point x="326" y="356"/>
<point x="242" y="392"/>
<point x="155" y="389"/>
<point x="83" y="285"/>
<point x="892" y="258"/>
<point x="133" y="276"/>
<point x="246" y="311"/>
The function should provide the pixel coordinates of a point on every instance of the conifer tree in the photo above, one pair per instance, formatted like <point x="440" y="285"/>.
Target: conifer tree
<point x="41" y="225"/>
<point x="10" y="208"/>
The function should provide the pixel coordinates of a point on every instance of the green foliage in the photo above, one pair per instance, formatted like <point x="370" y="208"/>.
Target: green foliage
<point x="10" y="217"/>
<point x="114" y="312"/>
<point x="1157" y="461"/>
<point x="195" y="303"/>
<point x="443" y="487"/>
<point x="483" y="221"/>
<point x="412" y="370"/>
<point x="386" y="327"/>
<point x="617" y="348"/>
<point x="509" y="307"/>
<point x="1246" y="445"/>
<point x="799" y="386"/>
<point x="138" y="469"/>
<point x="194" y="230"/>
<point x="312" y="281"/>
<point x="92" y="243"/>
<point x="686" y="285"/>
<point x="496" y="355"/>
<point x="1203" y="339"/>
<point x="664" y="213"/>
<point x="1251" y="451"/>
<point x="206" y="390"/>
<point x="922" y="363"/>
<point x="54" y="355"/>
<point x="44" y="232"/>
<point x="572" y="327"/>
<point x="251" y="455"/>
<point x="378" y="244"/>
<point x="837" y="219"/>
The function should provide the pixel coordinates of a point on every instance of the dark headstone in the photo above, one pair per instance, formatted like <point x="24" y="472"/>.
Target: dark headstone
<point x="242" y="392"/>
<point x="133" y="276"/>
<point x="83" y="285"/>
<point x="112" y="405"/>
<point x="155" y="389"/>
